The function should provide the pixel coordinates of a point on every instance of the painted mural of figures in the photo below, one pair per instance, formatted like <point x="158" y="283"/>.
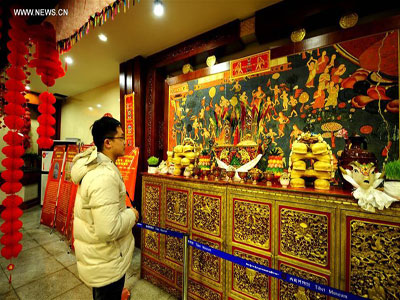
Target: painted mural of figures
<point x="243" y="108"/>
<point x="272" y="134"/>
<point x="285" y="101"/>
<point x="322" y="62"/>
<point x="268" y="106"/>
<point x="261" y="128"/>
<point x="258" y="98"/>
<point x="196" y="126"/>
<point x="276" y="91"/>
<point x="324" y="79"/>
<point x="206" y="136"/>
<point x="333" y="92"/>
<point x="294" y="134"/>
<point x="218" y="115"/>
<point x="260" y="63"/>
<point x="312" y="68"/>
<point x="203" y="114"/>
<point x="337" y="72"/>
<point x="236" y="87"/>
<point x="332" y="62"/>
<point x="293" y="103"/>
<point x="283" y="120"/>
<point x="212" y="128"/>
<point x="319" y="99"/>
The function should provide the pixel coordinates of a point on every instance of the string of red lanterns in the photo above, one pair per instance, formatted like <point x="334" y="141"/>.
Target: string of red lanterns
<point x="48" y="66"/>
<point x="13" y="152"/>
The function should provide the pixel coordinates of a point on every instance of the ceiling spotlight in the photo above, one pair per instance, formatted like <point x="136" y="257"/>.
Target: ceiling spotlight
<point x="69" y="60"/>
<point x="98" y="105"/>
<point x="158" y="8"/>
<point x="102" y="37"/>
<point x="28" y="87"/>
<point x="90" y="108"/>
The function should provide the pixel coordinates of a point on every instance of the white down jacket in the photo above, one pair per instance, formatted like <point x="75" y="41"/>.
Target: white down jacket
<point x="102" y="225"/>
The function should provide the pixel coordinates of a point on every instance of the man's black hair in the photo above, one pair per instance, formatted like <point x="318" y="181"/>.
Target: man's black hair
<point x="103" y="128"/>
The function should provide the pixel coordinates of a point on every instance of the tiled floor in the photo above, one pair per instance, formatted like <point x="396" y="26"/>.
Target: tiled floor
<point x="46" y="269"/>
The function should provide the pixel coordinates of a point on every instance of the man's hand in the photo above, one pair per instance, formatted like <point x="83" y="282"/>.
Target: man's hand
<point x="136" y="214"/>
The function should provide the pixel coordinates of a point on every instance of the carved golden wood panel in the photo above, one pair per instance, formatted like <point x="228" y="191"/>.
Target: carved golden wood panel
<point x="157" y="281"/>
<point x="200" y="291"/>
<point x="174" y="249"/>
<point x="151" y="215"/>
<point x="176" y="206"/>
<point x="207" y="214"/>
<point x="251" y="223"/>
<point x="159" y="268"/>
<point x="290" y="291"/>
<point x="244" y="282"/>
<point x="208" y="266"/>
<point x="305" y="235"/>
<point x="372" y="257"/>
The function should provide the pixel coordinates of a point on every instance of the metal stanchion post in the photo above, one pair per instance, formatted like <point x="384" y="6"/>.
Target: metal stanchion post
<point x="185" y="267"/>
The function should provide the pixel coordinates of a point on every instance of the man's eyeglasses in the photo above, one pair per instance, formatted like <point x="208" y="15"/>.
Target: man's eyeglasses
<point x="115" y="137"/>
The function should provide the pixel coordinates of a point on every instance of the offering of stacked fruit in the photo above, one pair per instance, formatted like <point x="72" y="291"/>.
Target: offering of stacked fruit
<point x="276" y="163"/>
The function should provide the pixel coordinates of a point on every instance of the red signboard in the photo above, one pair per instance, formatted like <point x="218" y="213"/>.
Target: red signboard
<point x="129" y="122"/>
<point x="127" y="165"/>
<point x="66" y="198"/>
<point x="250" y="65"/>
<point x="53" y="181"/>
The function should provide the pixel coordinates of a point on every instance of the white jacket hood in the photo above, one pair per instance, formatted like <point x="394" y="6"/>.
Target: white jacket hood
<point x="83" y="163"/>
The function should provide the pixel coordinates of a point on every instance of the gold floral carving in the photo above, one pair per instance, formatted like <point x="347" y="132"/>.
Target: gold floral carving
<point x="177" y="202"/>
<point x="152" y="204"/>
<point x="161" y="284"/>
<point x="151" y="240"/>
<point x="248" y="281"/>
<point x="206" y="214"/>
<point x="174" y="249"/>
<point x="205" y="263"/>
<point x="252" y="223"/>
<point x="158" y="268"/>
<point x="202" y="291"/>
<point x="374" y="259"/>
<point x="292" y="291"/>
<point x="305" y="235"/>
<point x="298" y="35"/>
<point x="348" y="21"/>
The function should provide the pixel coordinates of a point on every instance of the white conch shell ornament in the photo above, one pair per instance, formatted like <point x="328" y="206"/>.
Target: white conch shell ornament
<point x="365" y="181"/>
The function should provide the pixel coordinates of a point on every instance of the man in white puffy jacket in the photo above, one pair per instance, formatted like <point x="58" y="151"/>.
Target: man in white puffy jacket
<point x="102" y="224"/>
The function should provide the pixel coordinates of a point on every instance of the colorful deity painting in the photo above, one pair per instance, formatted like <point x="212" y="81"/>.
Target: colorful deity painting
<point x="337" y="91"/>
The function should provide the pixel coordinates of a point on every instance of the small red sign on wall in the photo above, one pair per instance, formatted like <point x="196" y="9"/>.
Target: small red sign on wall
<point x="250" y="65"/>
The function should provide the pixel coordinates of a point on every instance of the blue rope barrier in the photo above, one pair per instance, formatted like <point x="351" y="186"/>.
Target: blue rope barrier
<point x="313" y="286"/>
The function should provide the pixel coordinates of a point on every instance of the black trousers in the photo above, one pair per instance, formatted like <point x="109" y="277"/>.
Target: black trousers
<point x="111" y="291"/>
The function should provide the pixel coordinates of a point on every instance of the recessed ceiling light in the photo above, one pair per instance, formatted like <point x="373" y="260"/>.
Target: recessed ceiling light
<point x="90" y="108"/>
<point x="69" y="60"/>
<point x="28" y="87"/>
<point x="98" y="105"/>
<point x="158" y="8"/>
<point x="102" y="37"/>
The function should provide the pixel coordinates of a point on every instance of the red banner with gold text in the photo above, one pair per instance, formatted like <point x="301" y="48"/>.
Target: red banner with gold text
<point x="66" y="198"/>
<point x="53" y="181"/>
<point x="129" y="122"/>
<point x="127" y="165"/>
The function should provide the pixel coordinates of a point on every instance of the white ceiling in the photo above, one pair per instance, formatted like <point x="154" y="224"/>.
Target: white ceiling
<point x="139" y="32"/>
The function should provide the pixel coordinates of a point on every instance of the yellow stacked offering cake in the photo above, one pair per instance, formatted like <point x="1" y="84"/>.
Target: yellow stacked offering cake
<point x="311" y="157"/>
